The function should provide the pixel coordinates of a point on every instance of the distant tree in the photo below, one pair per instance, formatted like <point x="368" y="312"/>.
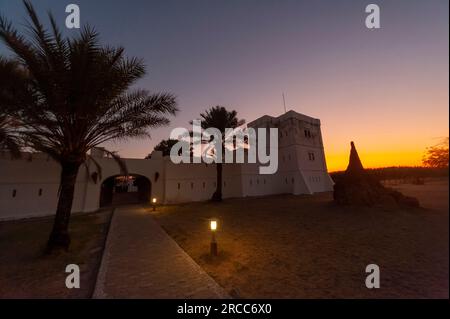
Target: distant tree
<point x="75" y="96"/>
<point x="220" y="118"/>
<point x="437" y="155"/>
<point x="164" y="146"/>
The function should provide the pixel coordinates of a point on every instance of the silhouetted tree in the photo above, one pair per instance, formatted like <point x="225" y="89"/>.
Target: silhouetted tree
<point x="437" y="155"/>
<point x="9" y="140"/>
<point x="11" y="75"/>
<point x="220" y="118"/>
<point x="76" y="96"/>
<point x="164" y="146"/>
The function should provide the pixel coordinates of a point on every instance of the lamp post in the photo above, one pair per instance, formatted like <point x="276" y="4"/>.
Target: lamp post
<point x="213" y="246"/>
<point x="154" y="203"/>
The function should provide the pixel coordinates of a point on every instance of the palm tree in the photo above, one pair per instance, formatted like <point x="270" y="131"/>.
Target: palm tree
<point x="9" y="140"/>
<point x="75" y="97"/>
<point x="220" y="118"/>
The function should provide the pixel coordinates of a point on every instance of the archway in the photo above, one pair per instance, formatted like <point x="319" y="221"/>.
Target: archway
<point x="121" y="190"/>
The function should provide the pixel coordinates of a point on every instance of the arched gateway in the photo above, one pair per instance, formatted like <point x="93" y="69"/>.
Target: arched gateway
<point x="121" y="189"/>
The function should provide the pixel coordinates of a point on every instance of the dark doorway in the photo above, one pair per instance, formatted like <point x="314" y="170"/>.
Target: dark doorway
<point x="121" y="190"/>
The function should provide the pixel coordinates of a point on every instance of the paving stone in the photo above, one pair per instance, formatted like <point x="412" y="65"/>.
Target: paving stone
<point x="142" y="261"/>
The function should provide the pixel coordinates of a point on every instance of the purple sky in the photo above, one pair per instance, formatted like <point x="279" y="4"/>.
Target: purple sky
<point x="386" y="89"/>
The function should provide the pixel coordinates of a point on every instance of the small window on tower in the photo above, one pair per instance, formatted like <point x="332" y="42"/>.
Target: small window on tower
<point x="308" y="133"/>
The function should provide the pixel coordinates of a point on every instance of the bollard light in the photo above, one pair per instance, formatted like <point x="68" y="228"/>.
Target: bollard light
<point x="213" y="225"/>
<point x="154" y="203"/>
<point x="213" y="246"/>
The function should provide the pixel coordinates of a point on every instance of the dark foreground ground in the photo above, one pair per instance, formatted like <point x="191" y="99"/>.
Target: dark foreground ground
<point x="25" y="272"/>
<point x="273" y="247"/>
<point x="306" y="247"/>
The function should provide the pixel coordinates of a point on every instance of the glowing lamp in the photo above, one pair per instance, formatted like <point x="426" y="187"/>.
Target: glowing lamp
<point x="213" y="245"/>
<point x="154" y="203"/>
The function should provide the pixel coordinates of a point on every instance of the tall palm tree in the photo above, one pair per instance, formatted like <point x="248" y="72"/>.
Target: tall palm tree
<point x="220" y="118"/>
<point x="12" y="75"/>
<point x="75" y="97"/>
<point x="9" y="140"/>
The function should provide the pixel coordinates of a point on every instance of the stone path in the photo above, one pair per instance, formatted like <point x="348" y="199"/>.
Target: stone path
<point x="141" y="261"/>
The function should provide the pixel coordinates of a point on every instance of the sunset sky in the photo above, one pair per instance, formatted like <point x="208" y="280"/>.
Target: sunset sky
<point x="385" y="89"/>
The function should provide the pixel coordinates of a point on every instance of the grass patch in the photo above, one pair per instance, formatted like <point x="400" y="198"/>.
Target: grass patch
<point x="26" y="272"/>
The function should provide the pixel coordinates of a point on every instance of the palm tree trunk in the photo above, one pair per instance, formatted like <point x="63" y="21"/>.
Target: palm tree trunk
<point x="59" y="237"/>
<point x="217" y="196"/>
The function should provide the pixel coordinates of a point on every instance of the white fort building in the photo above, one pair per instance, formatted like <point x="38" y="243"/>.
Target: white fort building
<point x="29" y="186"/>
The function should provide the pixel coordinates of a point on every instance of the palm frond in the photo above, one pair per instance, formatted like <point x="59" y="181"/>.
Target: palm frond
<point x="123" y="167"/>
<point x="72" y="94"/>
<point x="98" y="167"/>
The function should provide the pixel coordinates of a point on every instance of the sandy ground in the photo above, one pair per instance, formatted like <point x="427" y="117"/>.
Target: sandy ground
<point x="432" y="195"/>
<point x="25" y="272"/>
<point x="306" y="247"/>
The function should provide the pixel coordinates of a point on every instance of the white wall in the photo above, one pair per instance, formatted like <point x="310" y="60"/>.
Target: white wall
<point x="26" y="177"/>
<point x="32" y="173"/>
<point x="297" y="174"/>
<point x="197" y="182"/>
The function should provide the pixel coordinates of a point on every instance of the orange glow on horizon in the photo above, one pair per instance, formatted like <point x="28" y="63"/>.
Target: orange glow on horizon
<point x="375" y="159"/>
